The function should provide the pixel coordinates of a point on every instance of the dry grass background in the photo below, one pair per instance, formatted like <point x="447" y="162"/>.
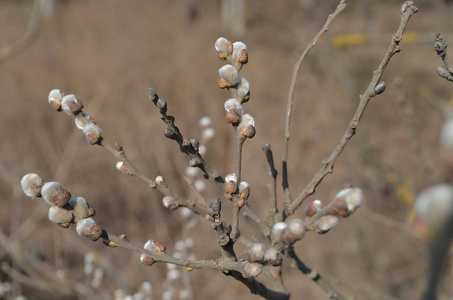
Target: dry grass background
<point x="109" y="52"/>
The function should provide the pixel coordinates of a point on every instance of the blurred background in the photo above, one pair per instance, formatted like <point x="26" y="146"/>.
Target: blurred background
<point x="108" y="53"/>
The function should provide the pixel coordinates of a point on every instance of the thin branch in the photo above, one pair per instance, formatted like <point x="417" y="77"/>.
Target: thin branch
<point x="407" y="10"/>
<point x="272" y="185"/>
<point x="297" y="263"/>
<point x="288" y="199"/>
<point x="234" y="234"/>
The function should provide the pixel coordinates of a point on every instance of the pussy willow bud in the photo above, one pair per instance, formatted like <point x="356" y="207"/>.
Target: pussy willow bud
<point x="347" y="201"/>
<point x="272" y="257"/>
<point x="244" y="190"/>
<point x="221" y="46"/>
<point x="55" y="97"/>
<point x="231" y="184"/>
<point x="71" y="105"/>
<point x="240" y="202"/>
<point x="121" y="166"/>
<point x="89" y="228"/>
<point x="147" y="260"/>
<point x="161" y="182"/>
<point x="294" y="231"/>
<point x="277" y="231"/>
<point x="240" y="52"/>
<point x="60" y="216"/>
<point x="443" y="72"/>
<point x="192" y="172"/>
<point x="54" y="194"/>
<point x="154" y="246"/>
<point x="169" y="133"/>
<point x="324" y="224"/>
<point x="170" y="202"/>
<point x="81" y="119"/>
<point x="199" y="185"/>
<point x="81" y="208"/>
<point x="233" y="111"/>
<point x="380" y="88"/>
<point x="256" y="253"/>
<point x="93" y="133"/>
<point x="312" y="208"/>
<point x="252" y="270"/>
<point x="228" y="76"/>
<point x="243" y="89"/>
<point x="31" y="185"/>
<point x="247" y="126"/>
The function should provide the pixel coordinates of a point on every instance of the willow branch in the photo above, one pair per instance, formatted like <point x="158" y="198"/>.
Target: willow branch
<point x="288" y="199"/>
<point x="408" y="9"/>
<point x="272" y="185"/>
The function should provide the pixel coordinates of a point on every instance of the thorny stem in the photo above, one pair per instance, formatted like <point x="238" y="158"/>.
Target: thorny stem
<point x="328" y="163"/>
<point x="287" y="193"/>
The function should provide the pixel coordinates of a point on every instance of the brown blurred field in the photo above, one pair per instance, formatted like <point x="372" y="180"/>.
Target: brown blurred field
<point x="109" y="52"/>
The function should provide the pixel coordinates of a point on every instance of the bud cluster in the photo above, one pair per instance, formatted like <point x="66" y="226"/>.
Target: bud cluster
<point x="73" y="107"/>
<point x="235" y="54"/>
<point x="63" y="211"/>
<point x="288" y="233"/>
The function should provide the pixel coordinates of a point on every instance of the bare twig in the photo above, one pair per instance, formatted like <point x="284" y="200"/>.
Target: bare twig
<point x="288" y="199"/>
<point x="441" y="49"/>
<point x="407" y="10"/>
<point x="272" y="185"/>
<point x="236" y="208"/>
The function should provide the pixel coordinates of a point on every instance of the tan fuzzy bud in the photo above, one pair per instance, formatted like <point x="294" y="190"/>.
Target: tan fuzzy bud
<point x="256" y="253"/>
<point x="161" y="182"/>
<point x="60" y="216"/>
<point x="240" y="52"/>
<point x="247" y="126"/>
<point x="55" y="97"/>
<point x="233" y="116"/>
<point x="221" y="82"/>
<point x="277" y="230"/>
<point x="155" y="246"/>
<point x="295" y="229"/>
<point x="54" y="194"/>
<point x="272" y="257"/>
<point x="31" y="185"/>
<point x="170" y="202"/>
<point x="244" y="190"/>
<point x="80" y="207"/>
<point x="89" y="228"/>
<point x="229" y="74"/>
<point x="231" y="187"/>
<point x="312" y="208"/>
<point x="353" y="197"/>
<point x="71" y="105"/>
<point x="324" y="224"/>
<point x="252" y="270"/>
<point x="93" y="133"/>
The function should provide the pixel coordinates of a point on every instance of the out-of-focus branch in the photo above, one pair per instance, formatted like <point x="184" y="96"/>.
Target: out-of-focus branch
<point x="440" y="46"/>
<point x="285" y="184"/>
<point x="407" y="10"/>
<point x="29" y="38"/>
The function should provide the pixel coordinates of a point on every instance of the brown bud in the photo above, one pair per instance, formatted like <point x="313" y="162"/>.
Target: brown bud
<point x="310" y="210"/>
<point x="248" y="131"/>
<point x="231" y="187"/>
<point x="242" y="56"/>
<point x="169" y="133"/>
<point x="222" y="83"/>
<point x="233" y="116"/>
<point x="55" y="104"/>
<point x="75" y="106"/>
<point x="147" y="260"/>
<point x="61" y="197"/>
<point x="340" y="208"/>
<point x="240" y="202"/>
<point x="93" y="138"/>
